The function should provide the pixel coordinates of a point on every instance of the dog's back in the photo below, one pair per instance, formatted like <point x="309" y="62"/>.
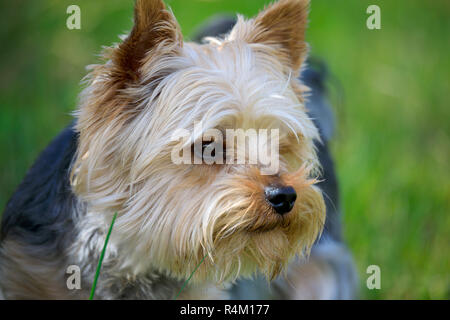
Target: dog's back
<point x="37" y="225"/>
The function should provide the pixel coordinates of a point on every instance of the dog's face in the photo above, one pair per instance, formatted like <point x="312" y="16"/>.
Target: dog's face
<point x="171" y="215"/>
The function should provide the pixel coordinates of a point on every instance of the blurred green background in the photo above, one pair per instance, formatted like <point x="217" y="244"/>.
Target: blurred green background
<point x="391" y="148"/>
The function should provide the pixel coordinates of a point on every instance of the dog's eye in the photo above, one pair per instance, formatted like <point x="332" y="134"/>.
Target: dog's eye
<point x="205" y="144"/>
<point x="210" y="152"/>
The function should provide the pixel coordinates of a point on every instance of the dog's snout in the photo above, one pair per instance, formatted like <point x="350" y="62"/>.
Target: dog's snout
<point x="282" y="199"/>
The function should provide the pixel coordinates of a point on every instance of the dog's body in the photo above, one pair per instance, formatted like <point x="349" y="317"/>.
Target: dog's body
<point x="60" y="213"/>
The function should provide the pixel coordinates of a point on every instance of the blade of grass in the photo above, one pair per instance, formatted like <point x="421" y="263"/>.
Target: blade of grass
<point x="187" y="281"/>
<point x="102" y="255"/>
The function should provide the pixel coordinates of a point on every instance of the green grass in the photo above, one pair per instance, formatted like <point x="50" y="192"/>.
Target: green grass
<point x="100" y="260"/>
<point x="392" y="146"/>
<point x="190" y="277"/>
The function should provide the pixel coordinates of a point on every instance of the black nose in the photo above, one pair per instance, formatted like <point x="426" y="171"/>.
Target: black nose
<point x="281" y="199"/>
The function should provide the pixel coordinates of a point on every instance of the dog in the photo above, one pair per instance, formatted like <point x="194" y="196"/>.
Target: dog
<point x="234" y="229"/>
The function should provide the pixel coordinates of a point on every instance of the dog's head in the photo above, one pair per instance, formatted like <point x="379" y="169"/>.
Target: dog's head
<point x="171" y="213"/>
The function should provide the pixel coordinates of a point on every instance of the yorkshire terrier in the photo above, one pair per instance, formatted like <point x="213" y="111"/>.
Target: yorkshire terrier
<point x="247" y="232"/>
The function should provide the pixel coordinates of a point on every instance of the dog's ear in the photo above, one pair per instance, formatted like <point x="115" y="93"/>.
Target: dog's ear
<point x="282" y="25"/>
<point x="155" y="29"/>
<point x="110" y="97"/>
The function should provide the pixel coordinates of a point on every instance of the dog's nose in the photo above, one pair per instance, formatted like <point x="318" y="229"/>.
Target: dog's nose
<point x="281" y="199"/>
